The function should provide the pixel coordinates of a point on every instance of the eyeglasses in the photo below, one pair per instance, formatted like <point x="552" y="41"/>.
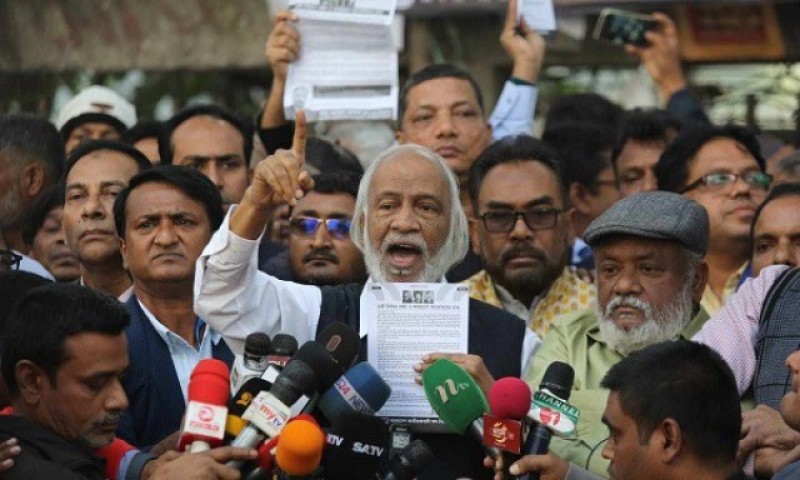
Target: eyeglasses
<point x="9" y="260"/>
<point x="307" y="226"/>
<point x="719" y="181"/>
<point x="535" y="219"/>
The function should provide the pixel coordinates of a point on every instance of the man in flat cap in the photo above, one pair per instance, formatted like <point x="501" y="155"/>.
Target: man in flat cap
<point x="649" y="249"/>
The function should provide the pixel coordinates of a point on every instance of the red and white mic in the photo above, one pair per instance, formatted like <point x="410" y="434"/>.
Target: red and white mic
<point x="206" y="410"/>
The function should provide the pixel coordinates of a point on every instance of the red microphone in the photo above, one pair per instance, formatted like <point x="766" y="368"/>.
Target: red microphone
<point x="510" y="400"/>
<point x="206" y="411"/>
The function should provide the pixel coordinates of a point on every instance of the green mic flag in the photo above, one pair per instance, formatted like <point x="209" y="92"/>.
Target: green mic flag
<point x="454" y="395"/>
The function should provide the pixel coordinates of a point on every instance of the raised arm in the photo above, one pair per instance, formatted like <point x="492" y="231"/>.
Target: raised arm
<point x="230" y="293"/>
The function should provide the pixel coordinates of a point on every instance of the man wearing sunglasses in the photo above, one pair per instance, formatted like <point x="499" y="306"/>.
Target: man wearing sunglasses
<point x="722" y="169"/>
<point x="522" y="234"/>
<point x="320" y="249"/>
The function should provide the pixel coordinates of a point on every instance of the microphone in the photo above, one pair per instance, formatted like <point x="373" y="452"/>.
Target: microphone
<point x="300" y="447"/>
<point x="506" y="429"/>
<point x="410" y="461"/>
<point x="342" y="342"/>
<point x="457" y="399"/>
<point x="284" y="346"/>
<point x="239" y="403"/>
<point x="270" y="410"/>
<point x="253" y="362"/>
<point x="204" y="421"/>
<point x="550" y="410"/>
<point x="361" y="388"/>
<point x="356" y="445"/>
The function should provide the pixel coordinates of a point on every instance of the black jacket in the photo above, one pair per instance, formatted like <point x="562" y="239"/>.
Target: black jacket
<point x="46" y="455"/>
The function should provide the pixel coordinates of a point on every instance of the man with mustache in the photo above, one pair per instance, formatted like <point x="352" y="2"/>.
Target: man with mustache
<point x="321" y="251"/>
<point x="94" y="175"/>
<point x="722" y="169"/>
<point x="649" y="249"/>
<point x="64" y="357"/>
<point x="521" y="232"/>
<point x="215" y="141"/>
<point x="164" y="219"/>
<point x="409" y="225"/>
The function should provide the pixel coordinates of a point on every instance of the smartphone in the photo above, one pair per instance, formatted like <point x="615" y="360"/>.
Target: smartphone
<point x="623" y="27"/>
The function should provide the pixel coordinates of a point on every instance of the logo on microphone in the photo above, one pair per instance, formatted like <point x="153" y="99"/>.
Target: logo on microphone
<point x="206" y="414"/>
<point x="502" y="433"/>
<point x="333" y="343"/>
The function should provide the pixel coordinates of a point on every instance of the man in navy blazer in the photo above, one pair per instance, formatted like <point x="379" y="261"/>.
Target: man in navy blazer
<point x="164" y="220"/>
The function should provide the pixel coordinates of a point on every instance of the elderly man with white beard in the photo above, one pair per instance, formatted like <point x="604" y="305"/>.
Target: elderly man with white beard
<point x="649" y="250"/>
<point x="409" y="224"/>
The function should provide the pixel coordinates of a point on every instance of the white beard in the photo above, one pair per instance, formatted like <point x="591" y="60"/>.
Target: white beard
<point x="380" y="271"/>
<point x="659" y="325"/>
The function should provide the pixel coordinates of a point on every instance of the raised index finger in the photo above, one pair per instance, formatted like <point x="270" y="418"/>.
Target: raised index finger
<point x="511" y="15"/>
<point x="299" y="142"/>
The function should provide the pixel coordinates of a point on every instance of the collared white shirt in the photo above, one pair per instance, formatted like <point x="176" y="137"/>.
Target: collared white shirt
<point x="184" y="356"/>
<point x="124" y="297"/>
<point x="236" y="299"/>
<point x="27" y="264"/>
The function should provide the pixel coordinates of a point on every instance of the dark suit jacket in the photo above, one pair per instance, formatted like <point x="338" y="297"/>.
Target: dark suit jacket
<point x="152" y="386"/>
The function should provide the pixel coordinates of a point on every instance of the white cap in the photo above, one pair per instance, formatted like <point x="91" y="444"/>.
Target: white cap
<point x="98" y="100"/>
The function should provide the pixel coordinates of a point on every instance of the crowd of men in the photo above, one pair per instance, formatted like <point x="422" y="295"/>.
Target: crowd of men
<point x="652" y="251"/>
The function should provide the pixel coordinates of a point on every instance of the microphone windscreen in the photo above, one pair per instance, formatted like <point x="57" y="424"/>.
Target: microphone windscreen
<point x="300" y="448"/>
<point x="295" y="380"/>
<point x="356" y="446"/>
<point x="558" y="379"/>
<point x="210" y="382"/>
<point x="510" y="398"/>
<point x="321" y="362"/>
<point x="453" y="394"/>
<point x="252" y="387"/>
<point x="361" y="388"/>
<point x="411" y="460"/>
<point x="257" y="344"/>
<point x="283" y="344"/>
<point x="342" y="342"/>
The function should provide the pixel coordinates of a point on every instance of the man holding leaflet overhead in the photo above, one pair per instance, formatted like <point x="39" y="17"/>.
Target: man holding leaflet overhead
<point x="410" y="227"/>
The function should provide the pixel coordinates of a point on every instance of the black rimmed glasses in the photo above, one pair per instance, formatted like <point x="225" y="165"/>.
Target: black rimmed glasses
<point x="9" y="260"/>
<point x="307" y="226"/>
<point x="722" y="181"/>
<point x="535" y="219"/>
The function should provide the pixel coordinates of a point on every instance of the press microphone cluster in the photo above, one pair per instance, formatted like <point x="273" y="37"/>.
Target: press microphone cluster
<point x="324" y="378"/>
<point x="520" y="426"/>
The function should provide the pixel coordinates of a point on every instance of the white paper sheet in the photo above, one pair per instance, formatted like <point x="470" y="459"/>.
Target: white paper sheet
<point x="539" y="15"/>
<point x="346" y="71"/>
<point x="375" y="12"/>
<point x="405" y="321"/>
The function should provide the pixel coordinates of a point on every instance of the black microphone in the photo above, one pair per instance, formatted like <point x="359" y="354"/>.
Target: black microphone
<point x="342" y="342"/>
<point x="357" y="443"/>
<point x="269" y="411"/>
<point x="410" y="461"/>
<point x="557" y="382"/>
<point x="284" y="346"/>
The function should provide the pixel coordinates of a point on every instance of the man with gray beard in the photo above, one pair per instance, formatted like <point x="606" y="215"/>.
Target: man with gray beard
<point x="649" y="250"/>
<point x="409" y="224"/>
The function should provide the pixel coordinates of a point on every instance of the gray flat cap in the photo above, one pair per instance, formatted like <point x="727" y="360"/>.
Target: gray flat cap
<point x="658" y="215"/>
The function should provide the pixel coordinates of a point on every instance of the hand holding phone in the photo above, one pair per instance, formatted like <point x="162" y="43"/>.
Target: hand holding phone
<point x="623" y="27"/>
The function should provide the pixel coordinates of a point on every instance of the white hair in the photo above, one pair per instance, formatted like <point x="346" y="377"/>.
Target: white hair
<point x="455" y="245"/>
